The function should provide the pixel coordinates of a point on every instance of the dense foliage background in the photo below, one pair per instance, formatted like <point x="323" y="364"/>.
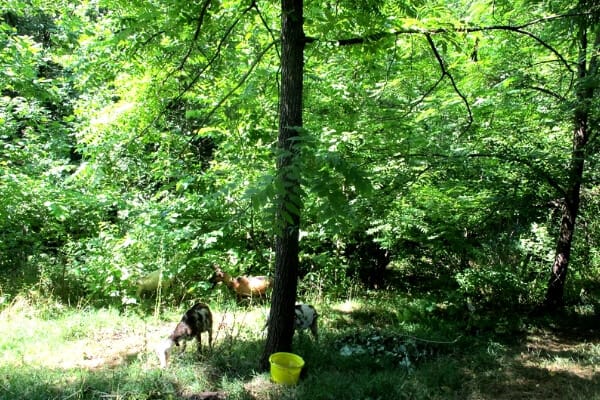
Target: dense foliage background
<point x="141" y="136"/>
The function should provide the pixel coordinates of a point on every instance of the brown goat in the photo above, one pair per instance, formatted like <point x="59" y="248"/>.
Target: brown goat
<point x="244" y="286"/>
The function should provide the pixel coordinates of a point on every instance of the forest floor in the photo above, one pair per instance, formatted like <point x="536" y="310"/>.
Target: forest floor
<point x="556" y="361"/>
<point x="545" y="364"/>
<point x="541" y="366"/>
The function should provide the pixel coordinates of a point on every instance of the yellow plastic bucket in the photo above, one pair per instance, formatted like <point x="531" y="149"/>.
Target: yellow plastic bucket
<point x="285" y="368"/>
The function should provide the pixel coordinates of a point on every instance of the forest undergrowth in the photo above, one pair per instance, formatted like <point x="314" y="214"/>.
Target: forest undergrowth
<point x="375" y="345"/>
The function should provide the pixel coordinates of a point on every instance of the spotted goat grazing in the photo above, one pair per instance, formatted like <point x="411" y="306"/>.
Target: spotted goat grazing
<point x="194" y="322"/>
<point x="305" y="317"/>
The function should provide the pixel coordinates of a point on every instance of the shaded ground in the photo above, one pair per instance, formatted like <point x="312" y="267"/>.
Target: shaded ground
<point x="553" y="360"/>
<point x="547" y="364"/>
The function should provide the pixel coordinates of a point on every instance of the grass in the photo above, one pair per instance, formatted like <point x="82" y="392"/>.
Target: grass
<point x="371" y="347"/>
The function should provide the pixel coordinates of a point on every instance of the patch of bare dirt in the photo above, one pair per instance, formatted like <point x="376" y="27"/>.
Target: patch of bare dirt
<point x="262" y="388"/>
<point x="110" y="348"/>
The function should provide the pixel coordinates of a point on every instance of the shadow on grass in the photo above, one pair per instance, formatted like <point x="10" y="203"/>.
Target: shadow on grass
<point x="137" y="376"/>
<point x="548" y="362"/>
<point x="328" y="375"/>
<point x="520" y="381"/>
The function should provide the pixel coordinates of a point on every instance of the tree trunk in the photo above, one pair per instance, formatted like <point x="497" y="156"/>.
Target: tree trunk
<point x="581" y="134"/>
<point x="555" y="292"/>
<point x="281" y="319"/>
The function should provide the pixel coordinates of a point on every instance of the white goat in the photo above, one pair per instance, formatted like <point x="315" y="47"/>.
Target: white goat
<point x="305" y="318"/>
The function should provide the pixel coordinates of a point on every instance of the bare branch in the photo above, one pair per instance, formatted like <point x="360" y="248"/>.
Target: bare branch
<point x="504" y="156"/>
<point x="239" y="84"/>
<point x="196" y="35"/>
<point x="512" y="28"/>
<point x="426" y="94"/>
<point x="593" y="71"/>
<point x="546" y="45"/>
<point x="192" y="44"/>
<point x="537" y="170"/>
<point x="450" y="77"/>
<point x="546" y="91"/>
<point x="222" y="101"/>
<point x="215" y="56"/>
<point x="266" y="25"/>
<point x="198" y="74"/>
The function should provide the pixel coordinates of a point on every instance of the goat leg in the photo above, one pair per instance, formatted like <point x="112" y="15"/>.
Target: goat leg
<point x="199" y="340"/>
<point x="314" y="330"/>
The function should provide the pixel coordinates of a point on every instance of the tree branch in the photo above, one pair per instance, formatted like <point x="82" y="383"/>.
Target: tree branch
<point x="209" y="115"/>
<point x="215" y="56"/>
<point x="446" y="73"/>
<point x="544" y="44"/>
<point x="238" y="85"/>
<point x="197" y="76"/>
<point x="500" y="156"/>
<point x="546" y="91"/>
<point x="190" y="48"/>
<point x="512" y="28"/>
<point x="196" y="35"/>
<point x="266" y="25"/>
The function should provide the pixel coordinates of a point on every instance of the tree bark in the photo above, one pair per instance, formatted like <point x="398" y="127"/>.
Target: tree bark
<point x="287" y="224"/>
<point x="581" y="134"/>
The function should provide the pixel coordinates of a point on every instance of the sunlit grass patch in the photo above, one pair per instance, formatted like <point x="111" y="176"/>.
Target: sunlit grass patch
<point x="74" y="338"/>
<point x="544" y="351"/>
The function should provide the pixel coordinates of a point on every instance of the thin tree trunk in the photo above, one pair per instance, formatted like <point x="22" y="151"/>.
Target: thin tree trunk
<point x="581" y="134"/>
<point x="558" y="276"/>
<point x="281" y="319"/>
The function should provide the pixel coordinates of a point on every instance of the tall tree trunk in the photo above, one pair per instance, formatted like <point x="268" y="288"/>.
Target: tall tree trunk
<point x="581" y="134"/>
<point x="281" y="319"/>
